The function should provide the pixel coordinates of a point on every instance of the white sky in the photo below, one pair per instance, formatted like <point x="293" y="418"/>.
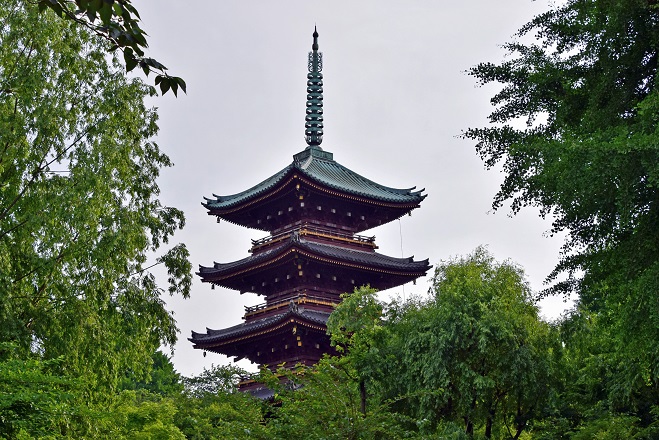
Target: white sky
<point x="396" y="98"/>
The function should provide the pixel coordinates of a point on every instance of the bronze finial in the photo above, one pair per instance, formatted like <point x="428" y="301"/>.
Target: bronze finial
<point x="314" y="46"/>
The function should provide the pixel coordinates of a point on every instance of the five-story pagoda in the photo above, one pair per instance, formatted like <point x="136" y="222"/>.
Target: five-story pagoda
<point x="313" y="209"/>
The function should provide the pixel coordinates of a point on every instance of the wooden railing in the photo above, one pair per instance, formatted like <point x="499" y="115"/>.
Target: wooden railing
<point x="298" y="300"/>
<point x="318" y="232"/>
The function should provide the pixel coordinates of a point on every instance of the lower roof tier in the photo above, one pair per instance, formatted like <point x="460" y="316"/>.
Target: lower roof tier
<point x="297" y="262"/>
<point x="295" y="336"/>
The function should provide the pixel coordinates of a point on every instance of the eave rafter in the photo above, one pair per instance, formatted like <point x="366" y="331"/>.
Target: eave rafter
<point x="296" y="249"/>
<point x="292" y="322"/>
<point x="292" y="184"/>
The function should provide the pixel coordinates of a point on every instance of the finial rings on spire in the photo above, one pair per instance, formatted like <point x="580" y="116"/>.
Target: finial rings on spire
<point x="314" y="119"/>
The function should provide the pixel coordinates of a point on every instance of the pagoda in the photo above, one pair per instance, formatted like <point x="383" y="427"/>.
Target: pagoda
<point x="313" y="210"/>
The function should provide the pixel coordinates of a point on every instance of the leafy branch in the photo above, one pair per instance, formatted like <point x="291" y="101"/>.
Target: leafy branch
<point x="117" y="21"/>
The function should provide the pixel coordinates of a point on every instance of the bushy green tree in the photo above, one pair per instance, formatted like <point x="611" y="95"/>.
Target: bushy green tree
<point x="79" y="208"/>
<point x="584" y="79"/>
<point x="211" y="407"/>
<point x="325" y="402"/>
<point x="476" y="353"/>
<point x="356" y="326"/>
<point x="34" y="400"/>
<point x="135" y="415"/>
<point x="214" y="380"/>
<point x="162" y="379"/>
<point x="583" y="406"/>
<point x="473" y="359"/>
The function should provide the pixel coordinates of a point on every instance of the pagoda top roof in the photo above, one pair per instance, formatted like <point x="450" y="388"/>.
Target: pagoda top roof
<point x="320" y="167"/>
<point x="245" y="329"/>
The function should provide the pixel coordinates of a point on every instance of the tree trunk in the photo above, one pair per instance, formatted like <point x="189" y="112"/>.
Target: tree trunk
<point x="488" y="424"/>
<point x="469" y="424"/>
<point x="362" y="395"/>
<point x="469" y="428"/>
<point x="520" y="423"/>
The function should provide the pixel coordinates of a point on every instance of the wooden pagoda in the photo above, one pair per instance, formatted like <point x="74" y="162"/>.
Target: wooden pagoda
<point x="313" y="210"/>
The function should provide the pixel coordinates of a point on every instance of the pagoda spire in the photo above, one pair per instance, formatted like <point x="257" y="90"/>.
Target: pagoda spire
<point x="314" y="120"/>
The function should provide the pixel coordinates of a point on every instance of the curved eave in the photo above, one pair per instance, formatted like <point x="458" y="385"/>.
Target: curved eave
<point x="255" y="192"/>
<point x="338" y="177"/>
<point x="324" y="175"/>
<point x="242" y="333"/>
<point x="356" y="196"/>
<point x="222" y="274"/>
<point x="414" y="269"/>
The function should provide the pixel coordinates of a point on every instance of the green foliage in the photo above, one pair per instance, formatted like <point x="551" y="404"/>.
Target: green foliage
<point x="472" y="360"/>
<point x="584" y="404"/>
<point x="476" y="353"/>
<point x="357" y="318"/>
<point x="163" y="379"/>
<point x="34" y="400"/>
<point x="80" y="313"/>
<point x="356" y="326"/>
<point x="206" y="406"/>
<point x="323" y="402"/>
<point x="222" y="415"/>
<point x="211" y="407"/>
<point x="610" y="428"/>
<point x="215" y="380"/>
<point x="79" y="213"/>
<point x="589" y="157"/>
<point x="118" y="22"/>
<point x="140" y="415"/>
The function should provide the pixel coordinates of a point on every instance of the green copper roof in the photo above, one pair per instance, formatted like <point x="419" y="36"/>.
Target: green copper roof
<point x="319" y="166"/>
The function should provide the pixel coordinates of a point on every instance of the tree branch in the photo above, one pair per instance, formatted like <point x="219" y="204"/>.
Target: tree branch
<point x="40" y="168"/>
<point x="4" y="150"/>
<point x="8" y="231"/>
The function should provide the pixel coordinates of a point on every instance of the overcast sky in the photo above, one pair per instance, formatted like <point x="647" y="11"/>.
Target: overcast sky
<point x="396" y="99"/>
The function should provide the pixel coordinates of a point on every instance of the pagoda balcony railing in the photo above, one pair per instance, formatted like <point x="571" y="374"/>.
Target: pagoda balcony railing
<point x="316" y="232"/>
<point x="298" y="300"/>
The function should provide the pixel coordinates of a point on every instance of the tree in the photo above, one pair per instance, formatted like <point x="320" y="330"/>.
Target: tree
<point x="589" y="157"/>
<point x="325" y="402"/>
<point x="116" y="21"/>
<point x="212" y="407"/>
<point x="138" y="415"/>
<point x="79" y="213"/>
<point x="476" y="353"/>
<point x="163" y="379"/>
<point x="215" y="380"/>
<point x="356" y="325"/>
<point x="34" y="402"/>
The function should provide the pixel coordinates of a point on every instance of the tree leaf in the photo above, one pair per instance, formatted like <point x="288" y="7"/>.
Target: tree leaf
<point x="165" y="84"/>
